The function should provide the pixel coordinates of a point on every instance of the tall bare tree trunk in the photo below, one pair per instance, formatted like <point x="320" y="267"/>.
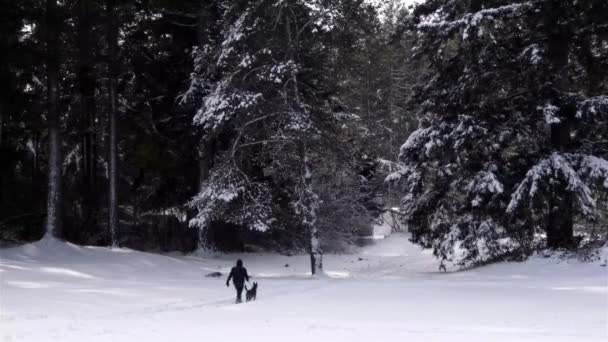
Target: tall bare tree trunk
<point x="206" y="149"/>
<point x="112" y="26"/>
<point x="309" y="202"/>
<point x="1" y="123"/>
<point x="311" y="205"/>
<point x="4" y="196"/>
<point x="34" y="174"/>
<point x="54" y="200"/>
<point x="316" y="253"/>
<point x="86" y="80"/>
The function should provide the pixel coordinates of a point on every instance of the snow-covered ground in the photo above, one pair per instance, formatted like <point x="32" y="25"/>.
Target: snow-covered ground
<point x="390" y="291"/>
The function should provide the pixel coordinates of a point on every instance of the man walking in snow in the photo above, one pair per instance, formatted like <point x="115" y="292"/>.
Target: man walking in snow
<point x="239" y="275"/>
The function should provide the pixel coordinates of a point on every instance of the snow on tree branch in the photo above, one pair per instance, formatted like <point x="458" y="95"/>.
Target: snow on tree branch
<point x="218" y="191"/>
<point x="483" y="183"/>
<point x="437" y="20"/>
<point x="594" y="169"/>
<point x="427" y="137"/>
<point x="593" y="106"/>
<point x="533" y="54"/>
<point x="577" y="171"/>
<point x="227" y="195"/>
<point x="453" y="135"/>
<point x="468" y="240"/>
<point x="236" y="32"/>
<point x="550" y="112"/>
<point x="222" y="105"/>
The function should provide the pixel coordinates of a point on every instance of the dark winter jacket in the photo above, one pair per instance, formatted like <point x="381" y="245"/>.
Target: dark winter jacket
<point x="238" y="274"/>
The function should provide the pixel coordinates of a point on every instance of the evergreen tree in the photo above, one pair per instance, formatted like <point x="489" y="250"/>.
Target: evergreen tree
<point x="267" y="112"/>
<point x="22" y="127"/>
<point x="509" y="141"/>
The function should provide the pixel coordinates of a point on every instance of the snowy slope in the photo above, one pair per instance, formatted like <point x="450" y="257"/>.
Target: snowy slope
<point x="390" y="291"/>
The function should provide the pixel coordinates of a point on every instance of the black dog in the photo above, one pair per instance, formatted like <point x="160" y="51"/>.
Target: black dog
<point x="251" y="293"/>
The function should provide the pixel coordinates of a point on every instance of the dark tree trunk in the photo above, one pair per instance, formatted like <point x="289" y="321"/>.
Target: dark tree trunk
<point x="309" y="203"/>
<point x="560" y="226"/>
<point x="86" y="80"/>
<point x="3" y="182"/>
<point x="205" y="161"/>
<point x="1" y="123"/>
<point x="308" y="199"/>
<point x="560" y="232"/>
<point x="206" y="153"/>
<point x="206" y="149"/>
<point x="112" y="27"/>
<point x="54" y="200"/>
<point x="560" y="223"/>
<point x="35" y="182"/>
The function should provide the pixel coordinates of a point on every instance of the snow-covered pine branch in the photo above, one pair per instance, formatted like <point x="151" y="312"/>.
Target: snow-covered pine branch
<point x="484" y="183"/>
<point x="533" y="54"/>
<point x="438" y="21"/>
<point x="592" y="106"/>
<point x="227" y="195"/>
<point x="467" y="240"/>
<point x="423" y="142"/>
<point x="223" y="104"/>
<point x="581" y="173"/>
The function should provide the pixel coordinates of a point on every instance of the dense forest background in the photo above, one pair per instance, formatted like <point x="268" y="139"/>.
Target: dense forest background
<point x="296" y="125"/>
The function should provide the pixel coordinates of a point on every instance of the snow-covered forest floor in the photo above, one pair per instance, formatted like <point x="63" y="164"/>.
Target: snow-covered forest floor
<point x="389" y="291"/>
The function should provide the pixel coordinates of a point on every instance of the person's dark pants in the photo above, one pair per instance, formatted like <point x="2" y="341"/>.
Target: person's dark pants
<point x="239" y="292"/>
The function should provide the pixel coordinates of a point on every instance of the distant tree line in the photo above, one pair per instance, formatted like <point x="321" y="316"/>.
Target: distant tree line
<point x="295" y="125"/>
<point x="177" y="125"/>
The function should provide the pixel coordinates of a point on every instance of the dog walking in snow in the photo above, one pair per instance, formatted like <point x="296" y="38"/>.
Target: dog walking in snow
<point x="251" y="293"/>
